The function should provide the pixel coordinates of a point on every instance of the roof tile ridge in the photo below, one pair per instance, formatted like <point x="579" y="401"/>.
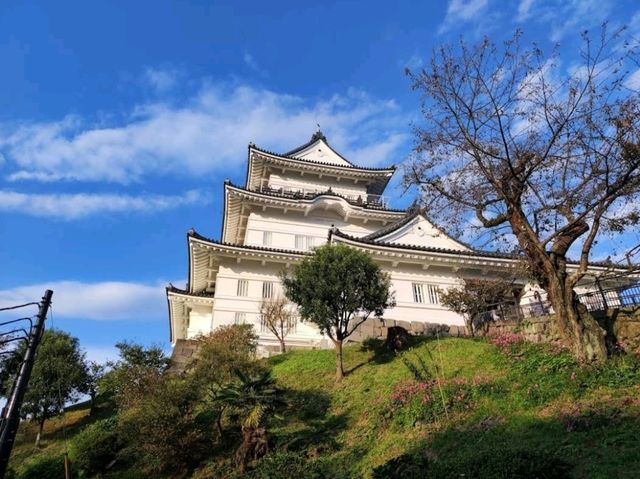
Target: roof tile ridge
<point x="315" y="162"/>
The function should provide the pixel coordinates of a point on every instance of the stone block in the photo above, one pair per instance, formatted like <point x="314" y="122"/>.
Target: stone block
<point x="417" y="327"/>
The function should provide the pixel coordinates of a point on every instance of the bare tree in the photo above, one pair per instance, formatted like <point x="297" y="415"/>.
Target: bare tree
<point x="477" y="296"/>
<point x="277" y="317"/>
<point x="523" y="149"/>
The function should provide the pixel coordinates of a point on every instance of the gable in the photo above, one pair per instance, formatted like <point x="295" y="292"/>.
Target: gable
<point x="420" y="232"/>
<point x="320" y="151"/>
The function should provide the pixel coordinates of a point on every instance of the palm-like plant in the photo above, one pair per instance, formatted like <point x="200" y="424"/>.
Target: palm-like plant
<point x="253" y="398"/>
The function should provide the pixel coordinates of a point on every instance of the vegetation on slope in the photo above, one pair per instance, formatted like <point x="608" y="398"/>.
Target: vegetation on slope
<point x="447" y="407"/>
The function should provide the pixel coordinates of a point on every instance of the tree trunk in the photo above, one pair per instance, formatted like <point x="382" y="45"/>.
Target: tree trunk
<point x="339" y="368"/>
<point x="283" y="347"/>
<point x="40" y="430"/>
<point x="578" y="329"/>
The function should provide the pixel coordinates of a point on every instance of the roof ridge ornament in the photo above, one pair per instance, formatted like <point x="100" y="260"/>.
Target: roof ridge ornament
<point x="318" y="135"/>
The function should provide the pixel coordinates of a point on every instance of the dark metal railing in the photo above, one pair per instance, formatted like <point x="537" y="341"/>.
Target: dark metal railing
<point x="599" y="300"/>
<point x="611" y="298"/>
<point x="367" y="200"/>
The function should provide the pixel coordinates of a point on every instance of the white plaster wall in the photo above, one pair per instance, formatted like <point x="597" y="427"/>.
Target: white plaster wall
<point x="227" y="303"/>
<point x="406" y="309"/>
<point x="420" y="232"/>
<point x="199" y="321"/>
<point x="314" y="184"/>
<point x="402" y="277"/>
<point x="284" y="227"/>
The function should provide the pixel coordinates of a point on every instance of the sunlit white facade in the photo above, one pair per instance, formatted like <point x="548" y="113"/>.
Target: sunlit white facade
<point x="293" y="202"/>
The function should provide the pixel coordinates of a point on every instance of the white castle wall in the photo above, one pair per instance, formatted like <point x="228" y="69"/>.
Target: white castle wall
<point x="293" y="181"/>
<point x="228" y="303"/>
<point x="285" y="227"/>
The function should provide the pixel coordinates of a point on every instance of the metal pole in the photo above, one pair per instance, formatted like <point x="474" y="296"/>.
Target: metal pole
<point x="604" y="299"/>
<point x="11" y="412"/>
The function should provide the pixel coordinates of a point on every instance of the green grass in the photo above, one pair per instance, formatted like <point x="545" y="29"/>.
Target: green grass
<point x="529" y="403"/>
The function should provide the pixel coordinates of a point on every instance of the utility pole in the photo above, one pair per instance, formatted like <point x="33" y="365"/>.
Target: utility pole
<point x="11" y="412"/>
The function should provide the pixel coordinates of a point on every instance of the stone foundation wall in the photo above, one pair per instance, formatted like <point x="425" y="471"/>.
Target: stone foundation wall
<point x="377" y="329"/>
<point x="536" y="330"/>
<point x="623" y="325"/>
<point x="182" y="354"/>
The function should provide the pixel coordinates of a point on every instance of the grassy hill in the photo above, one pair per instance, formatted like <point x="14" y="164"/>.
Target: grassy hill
<point x="480" y="410"/>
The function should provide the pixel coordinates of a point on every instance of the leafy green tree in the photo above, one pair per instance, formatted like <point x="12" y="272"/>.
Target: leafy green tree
<point x="254" y="398"/>
<point x="58" y="377"/>
<point x="132" y="375"/>
<point x="95" y="372"/>
<point x="337" y="289"/>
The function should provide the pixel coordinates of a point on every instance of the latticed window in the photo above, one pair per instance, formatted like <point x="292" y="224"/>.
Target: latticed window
<point x="425" y="293"/>
<point x="268" y="289"/>
<point x="418" y="293"/>
<point x="240" y="318"/>
<point x="243" y="287"/>
<point x="289" y="328"/>
<point x="267" y="238"/>
<point x="304" y="242"/>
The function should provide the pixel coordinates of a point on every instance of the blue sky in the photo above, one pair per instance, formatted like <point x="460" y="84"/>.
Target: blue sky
<point x="120" y="120"/>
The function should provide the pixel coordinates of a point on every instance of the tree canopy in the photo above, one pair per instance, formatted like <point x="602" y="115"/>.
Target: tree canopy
<point x="59" y="376"/>
<point x="337" y="289"/>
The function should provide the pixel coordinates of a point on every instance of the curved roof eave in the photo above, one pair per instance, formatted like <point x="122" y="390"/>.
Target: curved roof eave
<point x="332" y="194"/>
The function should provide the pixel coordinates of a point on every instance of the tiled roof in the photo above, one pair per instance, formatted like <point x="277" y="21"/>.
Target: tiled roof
<point x="429" y="249"/>
<point x="193" y="234"/>
<point x="318" y="135"/>
<point x="173" y="289"/>
<point x="351" y="166"/>
<point x="412" y="213"/>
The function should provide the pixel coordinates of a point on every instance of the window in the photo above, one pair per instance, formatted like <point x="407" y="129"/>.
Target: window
<point x="267" y="289"/>
<point x="304" y="242"/>
<point x="425" y="293"/>
<point x="418" y="294"/>
<point x="240" y="318"/>
<point x="266" y="238"/>
<point x="243" y="287"/>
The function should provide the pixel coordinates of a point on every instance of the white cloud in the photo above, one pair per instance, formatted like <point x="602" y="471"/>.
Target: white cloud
<point x="633" y="81"/>
<point x="103" y="301"/>
<point x="565" y="17"/>
<point x="252" y="63"/>
<point x="75" y="206"/>
<point x="208" y="133"/>
<point x="160" y="80"/>
<point x="524" y="10"/>
<point x="101" y="354"/>
<point x="461" y="11"/>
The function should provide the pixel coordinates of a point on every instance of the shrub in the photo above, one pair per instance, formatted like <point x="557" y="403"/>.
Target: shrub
<point x="220" y="353"/>
<point x="169" y="430"/>
<point x="96" y="446"/>
<point x="43" y="467"/>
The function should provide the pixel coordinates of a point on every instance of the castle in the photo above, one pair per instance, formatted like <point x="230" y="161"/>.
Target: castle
<point x="293" y="202"/>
